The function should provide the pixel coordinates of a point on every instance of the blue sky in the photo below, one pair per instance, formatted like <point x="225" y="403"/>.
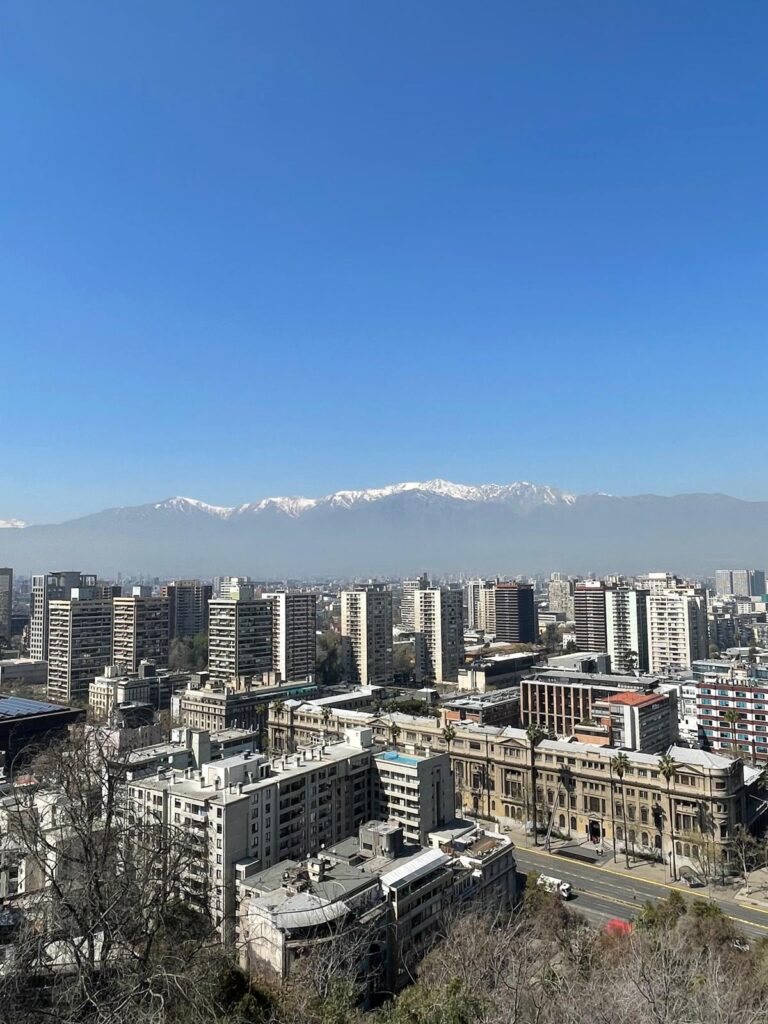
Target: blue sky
<point x="254" y="248"/>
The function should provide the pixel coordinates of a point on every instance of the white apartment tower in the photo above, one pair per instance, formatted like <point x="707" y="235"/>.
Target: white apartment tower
<point x="139" y="629"/>
<point x="239" y="636"/>
<point x="366" y="635"/>
<point x="438" y="623"/>
<point x="677" y="629"/>
<point x="409" y="590"/>
<point x="626" y="618"/>
<point x="294" y="633"/>
<point x="79" y="642"/>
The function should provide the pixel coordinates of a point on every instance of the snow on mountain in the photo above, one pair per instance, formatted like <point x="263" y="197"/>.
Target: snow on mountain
<point x="522" y="493"/>
<point x="12" y="524"/>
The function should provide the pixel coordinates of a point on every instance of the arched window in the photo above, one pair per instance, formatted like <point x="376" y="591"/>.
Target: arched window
<point x="679" y="848"/>
<point x="619" y="832"/>
<point x="657" y="842"/>
<point x="643" y="838"/>
<point x="561" y="821"/>
<point x="573" y="823"/>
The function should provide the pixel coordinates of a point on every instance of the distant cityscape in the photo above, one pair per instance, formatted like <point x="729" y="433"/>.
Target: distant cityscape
<point x="364" y="740"/>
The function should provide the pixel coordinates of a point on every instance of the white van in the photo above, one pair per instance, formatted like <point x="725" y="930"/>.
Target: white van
<point x="555" y="885"/>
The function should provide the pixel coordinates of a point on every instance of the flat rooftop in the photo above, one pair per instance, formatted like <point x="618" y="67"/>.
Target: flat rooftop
<point x="20" y="707"/>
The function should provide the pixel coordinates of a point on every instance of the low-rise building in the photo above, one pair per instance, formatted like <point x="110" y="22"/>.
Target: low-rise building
<point x="562" y="701"/>
<point x="387" y="897"/>
<point x="496" y="707"/>
<point x="22" y="671"/>
<point x="148" y="685"/>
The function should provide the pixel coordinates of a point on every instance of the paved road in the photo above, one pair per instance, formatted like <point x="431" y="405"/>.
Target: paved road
<point x="604" y="893"/>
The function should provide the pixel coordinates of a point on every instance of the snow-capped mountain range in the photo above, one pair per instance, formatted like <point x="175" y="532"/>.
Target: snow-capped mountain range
<point x="436" y="525"/>
<point x="522" y="493"/>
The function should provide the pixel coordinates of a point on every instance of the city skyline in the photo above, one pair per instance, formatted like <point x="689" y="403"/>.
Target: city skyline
<point x="247" y="242"/>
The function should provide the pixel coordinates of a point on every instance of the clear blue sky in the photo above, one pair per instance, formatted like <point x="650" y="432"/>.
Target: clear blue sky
<point x="254" y="248"/>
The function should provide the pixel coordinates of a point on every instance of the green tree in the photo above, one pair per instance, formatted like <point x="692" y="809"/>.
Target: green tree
<point x="449" y="735"/>
<point x="535" y="735"/>
<point x="619" y="765"/>
<point x="328" y="662"/>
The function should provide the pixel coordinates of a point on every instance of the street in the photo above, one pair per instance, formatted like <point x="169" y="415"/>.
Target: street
<point x="601" y="893"/>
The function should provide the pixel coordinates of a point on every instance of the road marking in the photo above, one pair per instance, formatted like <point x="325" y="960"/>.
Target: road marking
<point x="663" y="885"/>
<point x="608" y="899"/>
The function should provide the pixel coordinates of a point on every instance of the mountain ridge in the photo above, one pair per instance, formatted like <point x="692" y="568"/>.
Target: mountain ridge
<point x="444" y="527"/>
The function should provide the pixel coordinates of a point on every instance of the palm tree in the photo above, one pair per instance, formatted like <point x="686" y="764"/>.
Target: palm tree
<point x="325" y="714"/>
<point x="535" y="735"/>
<point x="394" y="732"/>
<point x="668" y="770"/>
<point x="619" y="765"/>
<point x="277" y="708"/>
<point x="449" y="735"/>
<point x="732" y="717"/>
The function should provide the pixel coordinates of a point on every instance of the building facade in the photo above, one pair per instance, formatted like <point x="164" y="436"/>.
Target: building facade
<point x="438" y="625"/>
<point x="294" y="633"/>
<point x="6" y="604"/>
<point x="79" y="643"/>
<point x="140" y="630"/>
<point x="407" y="600"/>
<point x="366" y="635"/>
<point x="677" y="629"/>
<point x="590" y="615"/>
<point x="187" y="606"/>
<point x="516" y="621"/>
<point x="239" y="637"/>
<point x="626" y="618"/>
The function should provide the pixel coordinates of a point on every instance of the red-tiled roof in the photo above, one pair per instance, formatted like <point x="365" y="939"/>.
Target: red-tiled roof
<point x="635" y="699"/>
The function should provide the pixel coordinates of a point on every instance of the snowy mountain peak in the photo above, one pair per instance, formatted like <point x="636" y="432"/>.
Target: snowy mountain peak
<point x="12" y="524"/>
<point x="521" y="493"/>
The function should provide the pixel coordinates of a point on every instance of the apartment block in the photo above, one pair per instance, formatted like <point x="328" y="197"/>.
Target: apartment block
<point x="407" y="600"/>
<point x="732" y="708"/>
<point x="49" y="587"/>
<point x="563" y="702"/>
<point x="140" y="630"/>
<point x="79" y="639"/>
<point x="560" y="596"/>
<point x="677" y="629"/>
<point x="515" y="613"/>
<point x="590" y="615"/>
<point x="187" y="607"/>
<point x="397" y="892"/>
<point x="294" y="633"/>
<point x="647" y="722"/>
<point x="6" y="604"/>
<point x="366" y="635"/>
<point x="740" y="582"/>
<point x="439" y="630"/>
<point x="251" y="812"/>
<point x="626" y="617"/>
<point x="147" y="685"/>
<point x="415" y="792"/>
<point x="242" y="704"/>
<point x="239" y="637"/>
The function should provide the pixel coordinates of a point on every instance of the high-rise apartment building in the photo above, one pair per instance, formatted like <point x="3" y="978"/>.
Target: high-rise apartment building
<point x="187" y="606"/>
<point x="139" y="630"/>
<point x="677" y="629"/>
<point x="239" y="636"/>
<point x="47" y="587"/>
<point x="590" y="615"/>
<point x="294" y="633"/>
<point x="515" y="608"/>
<point x="6" y="603"/>
<point x="438" y="623"/>
<point x="366" y="635"/>
<point x="740" y="582"/>
<point x="225" y="585"/>
<point x="407" y="606"/>
<point x="486" y="607"/>
<point x="560" y="595"/>
<point x="626" y="615"/>
<point x="79" y="642"/>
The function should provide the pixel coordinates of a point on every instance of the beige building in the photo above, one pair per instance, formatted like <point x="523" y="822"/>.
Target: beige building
<point x="47" y="587"/>
<point x="366" y="635"/>
<point x="294" y="633"/>
<point x="140" y="629"/>
<point x="708" y="797"/>
<point x="79" y="643"/>
<point x="438" y="622"/>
